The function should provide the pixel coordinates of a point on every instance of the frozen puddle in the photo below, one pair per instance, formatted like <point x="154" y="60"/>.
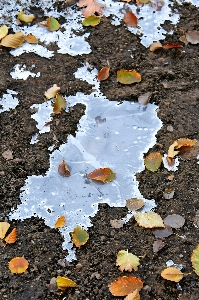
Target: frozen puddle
<point x="8" y="101"/>
<point x="110" y="134"/>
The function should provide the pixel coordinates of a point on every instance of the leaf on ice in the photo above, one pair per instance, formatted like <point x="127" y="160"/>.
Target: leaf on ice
<point x="59" y="104"/>
<point x="61" y="221"/>
<point x="192" y="36"/>
<point x="92" y="7"/>
<point x="128" y="76"/>
<point x="91" y="21"/>
<point x="130" y="19"/>
<point x="155" y="45"/>
<point x="79" y="236"/>
<point x="51" y="92"/>
<point x="25" y="18"/>
<point x="18" y="265"/>
<point x="149" y="220"/>
<point x="12" y="237"/>
<point x="3" y="31"/>
<point x="64" y="282"/>
<point x="153" y="161"/>
<point x="171" y="46"/>
<point x="172" y="274"/>
<point x="174" y="221"/>
<point x="63" y="169"/>
<point x="13" y="40"/>
<point x="195" y="260"/>
<point x="103" y="74"/>
<point x="134" y="203"/>
<point x="52" y="24"/>
<point x="31" y="39"/>
<point x="127" y="261"/>
<point x="125" y="285"/>
<point x="102" y="174"/>
<point x="4" y="226"/>
<point x="133" y="296"/>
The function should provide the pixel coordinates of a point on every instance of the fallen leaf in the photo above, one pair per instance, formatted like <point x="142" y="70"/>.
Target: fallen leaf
<point x="7" y="154"/>
<point x="92" y="7"/>
<point x="130" y="19"/>
<point x="12" y="237"/>
<point x="195" y="260"/>
<point x="128" y="76"/>
<point x="153" y="161"/>
<point x="61" y="221"/>
<point x="117" y="223"/>
<point x="59" y="104"/>
<point x="43" y="24"/>
<point x="178" y="144"/>
<point x="192" y="36"/>
<point x="13" y="40"/>
<point x="103" y="74"/>
<point x="127" y="261"/>
<point x="144" y="99"/>
<point x="64" y="282"/>
<point x="142" y="1"/>
<point x="25" y="18"/>
<point x="158" y="245"/>
<point x="18" y="265"/>
<point x="31" y="39"/>
<point x="134" y="204"/>
<point x="63" y="169"/>
<point x="79" y="236"/>
<point x="149" y="220"/>
<point x="3" y="31"/>
<point x="155" y="45"/>
<point x="133" y="296"/>
<point x="52" y="24"/>
<point x="172" y="274"/>
<point x="125" y="285"/>
<point x="102" y="174"/>
<point x="171" y="46"/>
<point x="91" y="21"/>
<point x="4" y="226"/>
<point x="168" y="194"/>
<point x="157" y="4"/>
<point x="51" y="92"/>
<point x="164" y="232"/>
<point x="174" y="221"/>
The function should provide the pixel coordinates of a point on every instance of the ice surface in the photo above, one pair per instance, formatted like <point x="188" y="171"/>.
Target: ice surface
<point x="20" y="72"/>
<point x="8" y="101"/>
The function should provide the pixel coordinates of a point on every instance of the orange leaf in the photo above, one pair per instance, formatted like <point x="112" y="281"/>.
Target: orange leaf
<point x="102" y="174"/>
<point x="64" y="282"/>
<point x="128" y="76"/>
<point x="18" y="265"/>
<point x="103" y="74"/>
<point x="171" y="46"/>
<point x="31" y="39"/>
<point x="63" y="169"/>
<point x="59" y="104"/>
<point x="130" y="19"/>
<point x="125" y="285"/>
<point x="79" y="236"/>
<point x="182" y="142"/>
<point x="13" y="40"/>
<point x="12" y="237"/>
<point x="172" y="274"/>
<point x="61" y="221"/>
<point x="153" y="161"/>
<point x="92" y="7"/>
<point x="4" y="226"/>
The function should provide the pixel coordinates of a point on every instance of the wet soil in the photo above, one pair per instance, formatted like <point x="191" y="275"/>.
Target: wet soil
<point x="172" y="75"/>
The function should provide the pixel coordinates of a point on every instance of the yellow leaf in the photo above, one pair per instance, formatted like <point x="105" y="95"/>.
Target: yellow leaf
<point x="3" y="31"/>
<point x="153" y="161"/>
<point x="4" y="226"/>
<point x="52" y="24"/>
<point x="51" y="92"/>
<point x="61" y="221"/>
<point x="25" y="18"/>
<point x="178" y="144"/>
<point x="12" y="237"/>
<point x="133" y="296"/>
<point x="127" y="261"/>
<point x="13" y="40"/>
<point x="59" y="104"/>
<point x="149" y="220"/>
<point x="195" y="260"/>
<point x="64" y="282"/>
<point x="31" y="39"/>
<point x="172" y="274"/>
<point x="18" y="265"/>
<point x="79" y="236"/>
<point x="128" y="76"/>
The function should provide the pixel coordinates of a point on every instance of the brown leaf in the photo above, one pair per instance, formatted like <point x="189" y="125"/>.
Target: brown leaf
<point x="103" y="74"/>
<point x="172" y="45"/>
<point x="144" y="99"/>
<point x="158" y="245"/>
<point x="13" y="40"/>
<point x="31" y="39"/>
<point x="155" y="45"/>
<point x="12" y="237"/>
<point x="134" y="203"/>
<point x="130" y="19"/>
<point x="102" y="174"/>
<point x="192" y="36"/>
<point x="63" y="169"/>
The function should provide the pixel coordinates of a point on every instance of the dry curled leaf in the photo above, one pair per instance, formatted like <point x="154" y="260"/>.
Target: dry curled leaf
<point x="18" y="265"/>
<point x="61" y="221"/>
<point x="102" y="174"/>
<point x="134" y="203"/>
<point x="25" y="18"/>
<point x="103" y="74"/>
<point x="172" y="45"/>
<point x="79" y="236"/>
<point x="155" y="45"/>
<point x="13" y="40"/>
<point x="64" y="282"/>
<point x="125" y="285"/>
<point x="4" y="226"/>
<point x="63" y="169"/>
<point x="172" y="274"/>
<point x="92" y="7"/>
<point x="130" y="19"/>
<point x="51" y="92"/>
<point x="12" y="237"/>
<point x="149" y="220"/>
<point x="127" y="261"/>
<point x="59" y="104"/>
<point x="181" y="143"/>
<point x="153" y="161"/>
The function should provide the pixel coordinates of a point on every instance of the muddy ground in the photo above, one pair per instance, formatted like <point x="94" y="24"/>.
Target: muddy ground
<point x="172" y="75"/>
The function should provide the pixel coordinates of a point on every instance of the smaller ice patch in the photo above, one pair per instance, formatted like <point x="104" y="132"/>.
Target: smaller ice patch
<point x="42" y="116"/>
<point x="20" y="72"/>
<point x="8" y="101"/>
<point x="37" y="49"/>
<point x="170" y="263"/>
<point x="167" y="166"/>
